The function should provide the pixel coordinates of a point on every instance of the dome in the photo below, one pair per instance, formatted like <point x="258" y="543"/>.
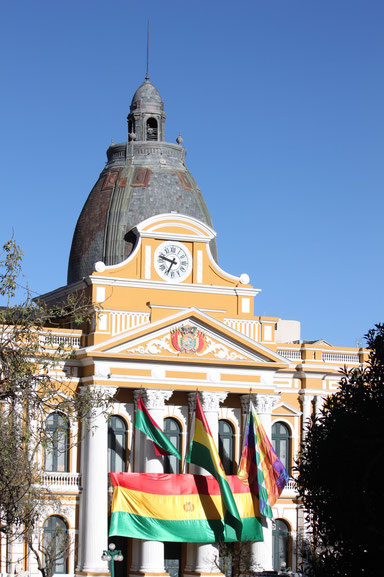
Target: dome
<point x="142" y="178"/>
<point x="146" y="94"/>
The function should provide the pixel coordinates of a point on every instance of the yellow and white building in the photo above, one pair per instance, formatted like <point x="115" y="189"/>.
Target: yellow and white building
<point x="144" y="252"/>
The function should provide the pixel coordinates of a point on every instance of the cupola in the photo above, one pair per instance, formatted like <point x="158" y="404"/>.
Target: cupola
<point x="146" y="120"/>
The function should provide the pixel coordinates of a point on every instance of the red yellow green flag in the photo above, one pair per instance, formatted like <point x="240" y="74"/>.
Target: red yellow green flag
<point x="182" y="508"/>
<point x="149" y="427"/>
<point x="203" y="452"/>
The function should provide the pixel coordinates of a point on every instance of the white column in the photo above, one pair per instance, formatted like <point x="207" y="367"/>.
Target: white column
<point x="148" y="556"/>
<point x="261" y="551"/>
<point x="94" y="505"/>
<point x="319" y="402"/>
<point x="202" y="559"/>
<point x="306" y="403"/>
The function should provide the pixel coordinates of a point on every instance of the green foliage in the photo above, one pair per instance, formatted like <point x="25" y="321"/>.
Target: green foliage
<point x="339" y="472"/>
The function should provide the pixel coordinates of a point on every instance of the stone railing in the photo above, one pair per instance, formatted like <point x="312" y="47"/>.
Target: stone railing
<point x="312" y="355"/>
<point x="291" y="355"/>
<point x="344" y="358"/>
<point x="53" y="341"/>
<point x="62" y="480"/>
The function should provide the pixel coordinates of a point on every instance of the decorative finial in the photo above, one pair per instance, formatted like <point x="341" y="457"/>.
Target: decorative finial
<point x="147" y="76"/>
<point x="112" y="142"/>
<point x="132" y="136"/>
<point x="179" y="140"/>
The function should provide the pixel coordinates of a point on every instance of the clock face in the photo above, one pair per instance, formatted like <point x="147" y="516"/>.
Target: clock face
<point x="173" y="261"/>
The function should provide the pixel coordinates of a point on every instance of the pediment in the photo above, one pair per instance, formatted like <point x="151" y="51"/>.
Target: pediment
<point x="285" y="409"/>
<point x="190" y="335"/>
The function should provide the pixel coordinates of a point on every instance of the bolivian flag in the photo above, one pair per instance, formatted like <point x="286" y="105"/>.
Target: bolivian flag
<point x="203" y="452"/>
<point x="183" y="508"/>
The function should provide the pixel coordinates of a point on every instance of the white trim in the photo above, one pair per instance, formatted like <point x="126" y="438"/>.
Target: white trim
<point x="148" y="262"/>
<point x="199" y="267"/>
<point x="183" y="308"/>
<point x="162" y="285"/>
<point x="176" y="218"/>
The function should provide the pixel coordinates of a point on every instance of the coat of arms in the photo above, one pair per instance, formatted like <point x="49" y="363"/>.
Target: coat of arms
<point x="187" y="339"/>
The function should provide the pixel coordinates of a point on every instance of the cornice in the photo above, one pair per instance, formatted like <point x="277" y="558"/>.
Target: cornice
<point x="182" y="287"/>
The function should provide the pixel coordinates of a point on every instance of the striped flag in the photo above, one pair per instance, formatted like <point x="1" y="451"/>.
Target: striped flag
<point x="149" y="427"/>
<point x="179" y="508"/>
<point x="260" y="467"/>
<point x="203" y="453"/>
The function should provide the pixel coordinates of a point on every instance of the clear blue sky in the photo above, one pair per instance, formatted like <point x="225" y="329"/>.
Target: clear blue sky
<point x="281" y="107"/>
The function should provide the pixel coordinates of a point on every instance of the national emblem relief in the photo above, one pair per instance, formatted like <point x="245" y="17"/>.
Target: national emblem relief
<point x="188" y="339"/>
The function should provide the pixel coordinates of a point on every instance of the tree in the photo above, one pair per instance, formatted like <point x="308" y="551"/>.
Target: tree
<point x="236" y="559"/>
<point x="30" y="389"/>
<point x="340" y="472"/>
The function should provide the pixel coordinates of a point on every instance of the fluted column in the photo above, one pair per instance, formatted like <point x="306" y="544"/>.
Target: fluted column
<point x="148" y="556"/>
<point x="261" y="551"/>
<point x="93" y="537"/>
<point x="201" y="558"/>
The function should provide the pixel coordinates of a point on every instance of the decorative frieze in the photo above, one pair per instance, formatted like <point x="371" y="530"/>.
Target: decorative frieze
<point x="189" y="340"/>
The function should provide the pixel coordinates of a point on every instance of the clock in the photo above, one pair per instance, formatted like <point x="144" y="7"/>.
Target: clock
<point x="173" y="261"/>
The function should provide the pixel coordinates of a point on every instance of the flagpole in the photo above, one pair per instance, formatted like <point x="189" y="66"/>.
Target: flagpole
<point x="245" y="425"/>
<point x="189" y="436"/>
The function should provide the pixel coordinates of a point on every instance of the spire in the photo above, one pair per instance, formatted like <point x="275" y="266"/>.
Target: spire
<point x="146" y="75"/>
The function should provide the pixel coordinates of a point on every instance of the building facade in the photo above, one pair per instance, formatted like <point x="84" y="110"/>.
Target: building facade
<point x="169" y="322"/>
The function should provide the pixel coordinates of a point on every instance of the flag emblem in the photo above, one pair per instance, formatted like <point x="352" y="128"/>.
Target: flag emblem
<point x="187" y="339"/>
<point x="188" y="507"/>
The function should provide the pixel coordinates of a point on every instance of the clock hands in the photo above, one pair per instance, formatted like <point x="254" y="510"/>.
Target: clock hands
<point x="172" y="261"/>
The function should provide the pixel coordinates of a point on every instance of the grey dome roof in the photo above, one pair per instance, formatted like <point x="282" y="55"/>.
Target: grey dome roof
<point x="142" y="178"/>
<point x="147" y="93"/>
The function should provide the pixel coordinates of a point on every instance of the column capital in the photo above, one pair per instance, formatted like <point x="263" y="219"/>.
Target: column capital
<point x="153" y="398"/>
<point x="264" y="403"/>
<point x="210" y="401"/>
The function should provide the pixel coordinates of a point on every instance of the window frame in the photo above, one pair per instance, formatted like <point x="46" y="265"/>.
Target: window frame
<point x="64" y="561"/>
<point x="276" y="440"/>
<point x="227" y="461"/>
<point x="53" y="451"/>
<point x="171" y="462"/>
<point x="113" y="454"/>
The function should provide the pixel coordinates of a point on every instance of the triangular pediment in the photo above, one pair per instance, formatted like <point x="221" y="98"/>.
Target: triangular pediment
<point x="189" y="335"/>
<point x="285" y="409"/>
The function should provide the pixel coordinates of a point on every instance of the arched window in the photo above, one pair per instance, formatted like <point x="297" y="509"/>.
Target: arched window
<point x="56" y="544"/>
<point x="57" y="439"/>
<point x="226" y="438"/>
<point x="117" y="445"/>
<point x="151" y="129"/>
<point x="281" y="443"/>
<point x="280" y="545"/>
<point x="172" y="430"/>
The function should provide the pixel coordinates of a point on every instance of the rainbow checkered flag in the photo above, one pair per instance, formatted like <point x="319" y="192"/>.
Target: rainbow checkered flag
<point x="260" y="467"/>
